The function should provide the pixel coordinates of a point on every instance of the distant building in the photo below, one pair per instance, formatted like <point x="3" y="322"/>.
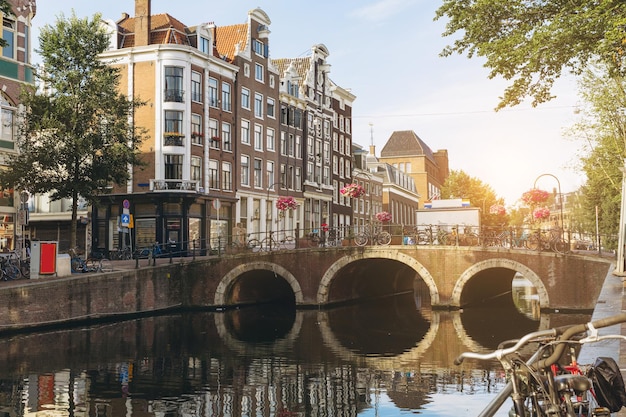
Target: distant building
<point x="405" y="151"/>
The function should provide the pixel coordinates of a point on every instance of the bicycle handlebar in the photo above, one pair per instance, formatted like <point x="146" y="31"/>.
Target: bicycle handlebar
<point x="563" y="334"/>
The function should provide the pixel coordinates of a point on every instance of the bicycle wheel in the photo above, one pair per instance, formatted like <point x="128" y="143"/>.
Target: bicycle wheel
<point x="288" y="243"/>
<point x="360" y="239"/>
<point x="533" y="242"/>
<point x="77" y="265"/>
<point x="253" y="244"/>
<point x="11" y="271"/>
<point x="560" y="246"/>
<point x="383" y="238"/>
<point x="105" y="265"/>
<point x="25" y="269"/>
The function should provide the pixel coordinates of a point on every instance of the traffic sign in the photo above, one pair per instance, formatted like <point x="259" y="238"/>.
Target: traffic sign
<point x="125" y="220"/>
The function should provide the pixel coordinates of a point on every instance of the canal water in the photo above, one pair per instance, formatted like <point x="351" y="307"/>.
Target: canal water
<point x="386" y="357"/>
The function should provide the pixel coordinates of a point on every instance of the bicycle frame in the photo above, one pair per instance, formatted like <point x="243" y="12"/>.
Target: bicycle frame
<point x="533" y="387"/>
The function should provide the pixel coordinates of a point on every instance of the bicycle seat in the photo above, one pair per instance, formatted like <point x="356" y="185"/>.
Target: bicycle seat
<point x="578" y="383"/>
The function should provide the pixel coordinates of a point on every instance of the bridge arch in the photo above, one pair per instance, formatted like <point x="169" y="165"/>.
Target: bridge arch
<point x="529" y="274"/>
<point x="227" y="281"/>
<point x="322" y="291"/>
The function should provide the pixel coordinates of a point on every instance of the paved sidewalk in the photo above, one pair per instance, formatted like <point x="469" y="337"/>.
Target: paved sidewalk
<point x="612" y="301"/>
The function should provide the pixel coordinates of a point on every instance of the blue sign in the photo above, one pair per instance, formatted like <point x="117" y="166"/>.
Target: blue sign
<point x="125" y="220"/>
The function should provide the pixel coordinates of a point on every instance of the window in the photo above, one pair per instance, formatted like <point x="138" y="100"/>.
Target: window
<point x="259" y="48"/>
<point x="7" y="128"/>
<point x="271" y="108"/>
<point x="270" y="172"/>
<point x="174" y="84"/>
<point x="258" y="105"/>
<point x="204" y="45"/>
<point x="8" y="34"/>
<point x="291" y="145"/>
<point x="258" y="173"/>
<point x="245" y="170"/>
<point x="196" y="169"/>
<point x="270" y="139"/>
<point x="227" y="144"/>
<point x="214" y="134"/>
<point x="226" y="104"/>
<point x="213" y="92"/>
<point x="245" y="98"/>
<point x="298" y="179"/>
<point x="227" y="176"/>
<point x="214" y="178"/>
<point x="258" y="72"/>
<point x="347" y="125"/>
<point x="196" y="129"/>
<point x="258" y="137"/>
<point x="173" y="167"/>
<point x="283" y="143"/>
<point x="173" y="128"/>
<point x="298" y="147"/>
<point x="196" y="86"/>
<point x="245" y="132"/>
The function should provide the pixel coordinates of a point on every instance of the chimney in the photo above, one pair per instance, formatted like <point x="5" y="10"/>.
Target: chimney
<point x="142" y="22"/>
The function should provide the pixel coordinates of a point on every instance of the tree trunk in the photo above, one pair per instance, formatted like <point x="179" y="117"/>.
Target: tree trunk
<point x="73" y="221"/>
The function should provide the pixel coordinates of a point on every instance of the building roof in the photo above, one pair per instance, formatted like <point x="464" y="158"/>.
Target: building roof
<point x="164" y="29"/>
<point x="229" y="40"/>
<point x="406" y="143"/>
<point x="300" y="65"/>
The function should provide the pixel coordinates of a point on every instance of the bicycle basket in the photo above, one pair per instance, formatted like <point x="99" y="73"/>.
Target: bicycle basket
<point x="608" y="384"/>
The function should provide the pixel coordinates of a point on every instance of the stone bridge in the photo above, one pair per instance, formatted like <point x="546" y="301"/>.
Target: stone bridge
<point x="445" y="277"/>
<point x="455" y="277"/>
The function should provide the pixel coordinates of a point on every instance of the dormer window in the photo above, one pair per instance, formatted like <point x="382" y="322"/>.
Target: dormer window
<point x="260" y="48"/>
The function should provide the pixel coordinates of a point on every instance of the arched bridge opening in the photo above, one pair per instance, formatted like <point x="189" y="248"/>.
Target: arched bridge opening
<point x="376" y="275"/>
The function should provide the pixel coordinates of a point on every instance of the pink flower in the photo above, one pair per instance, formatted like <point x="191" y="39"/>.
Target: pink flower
<point x="534" y="196"/>
<point x="497" y="209"/>
<point x="286" y="203"/>
<point x="541" y="213"/>
<point x="353" y="190"/>
<point x="383" y="216"/>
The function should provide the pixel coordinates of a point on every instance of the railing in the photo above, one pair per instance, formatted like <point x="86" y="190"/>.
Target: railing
<point x="173" y="185"/>
<point x="172" y="94"/>
<point x="329" y="237"/>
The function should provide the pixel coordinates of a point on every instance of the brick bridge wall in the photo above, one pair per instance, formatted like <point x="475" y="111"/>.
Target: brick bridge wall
<point x="563" y="282"/>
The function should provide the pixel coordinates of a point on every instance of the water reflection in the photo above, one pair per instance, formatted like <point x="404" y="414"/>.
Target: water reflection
<point x="388" y="357"/>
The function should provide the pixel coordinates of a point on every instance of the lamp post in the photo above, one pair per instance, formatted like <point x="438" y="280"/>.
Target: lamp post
<point x="369" y="178"/>
<point x="267" y="222"/>
<point x="560" y="196"/>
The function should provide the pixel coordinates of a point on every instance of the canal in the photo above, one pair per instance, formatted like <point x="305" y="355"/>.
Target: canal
<point x="385" y="357"/>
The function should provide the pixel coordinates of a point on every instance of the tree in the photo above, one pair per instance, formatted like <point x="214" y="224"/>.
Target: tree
<point x="602" y="129"/>
<point x="75" y="135"/>
<point x="531" y="42"/>
<point x="460" y="185"/>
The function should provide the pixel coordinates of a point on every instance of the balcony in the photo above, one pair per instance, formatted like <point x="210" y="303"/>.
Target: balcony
<point x="173" y="185"/>
<point x="174" y="95"/>
<point x="173" y="139"/>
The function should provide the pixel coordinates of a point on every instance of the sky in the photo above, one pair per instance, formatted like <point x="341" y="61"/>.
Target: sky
<point x="387" y="53"/>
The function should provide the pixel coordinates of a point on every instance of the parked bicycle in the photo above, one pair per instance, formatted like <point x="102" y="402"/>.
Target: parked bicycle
<point x="273" y="241"/>
<point x="123" y="254"/>
<point x="538" y="386"/>
<point x="91" y="264"/>
<point x="323" y="237"/>
<point x="546" y="240"/>
<point x="10" y="267"/>
<point x="373" y="234"/>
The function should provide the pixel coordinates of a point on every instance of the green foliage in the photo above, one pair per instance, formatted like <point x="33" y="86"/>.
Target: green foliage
<point x="602" y="130"/>
<point x="531" y="42"/>
<point x="75" y="137"/>
<point x="460" y="185"/>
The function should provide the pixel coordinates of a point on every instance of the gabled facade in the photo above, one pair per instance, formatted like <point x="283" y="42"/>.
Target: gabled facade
<point x="15" y="71"/>
<point x="409" y="154"/>
<point x="186" y="192"/>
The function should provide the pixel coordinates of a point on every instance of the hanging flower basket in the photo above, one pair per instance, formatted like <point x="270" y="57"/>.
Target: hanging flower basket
<point x="353" y="190"/>
<point x="497" y="209"/>
<point x="383" y="216"/>
<point x="535" y="196"/>
<point x="541" y="213"/>
<point x="286" y="203"/>
<point x="216" y="138"/>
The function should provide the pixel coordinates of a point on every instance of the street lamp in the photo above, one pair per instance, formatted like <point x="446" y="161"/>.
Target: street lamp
<point x="369" y="178"/>
<point x="267" y="222"/>
<point x="560" y="196"/>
